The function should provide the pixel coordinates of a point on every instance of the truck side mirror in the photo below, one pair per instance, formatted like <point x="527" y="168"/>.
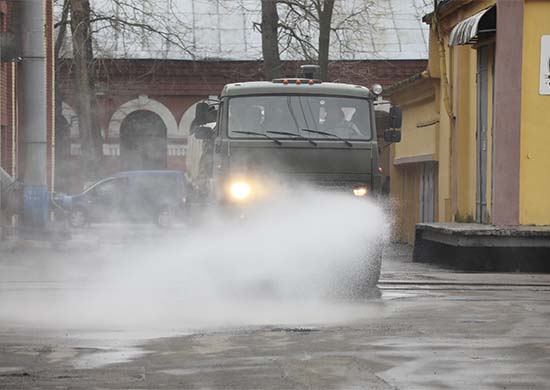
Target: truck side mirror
<point x="203" y="132"/>
<point x="392" y="136"/>
<point x="396" y="117"/>
<point x="201" y="113"/>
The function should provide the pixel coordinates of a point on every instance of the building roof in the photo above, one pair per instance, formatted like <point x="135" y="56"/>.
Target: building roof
<point x="268" y="87"/>
<point x="228" y="30"/>
<point x="407" y="82"/>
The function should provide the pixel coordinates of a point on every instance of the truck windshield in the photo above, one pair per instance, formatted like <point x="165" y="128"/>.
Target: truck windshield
<point x="346" y="118"/>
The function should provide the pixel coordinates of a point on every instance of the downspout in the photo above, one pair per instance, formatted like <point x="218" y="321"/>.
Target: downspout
<point x="446" y="93"/>
<point x="32" y="115"/>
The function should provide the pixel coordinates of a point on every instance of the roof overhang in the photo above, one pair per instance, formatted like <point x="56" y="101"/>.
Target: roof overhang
<point x="470" y="30"/>
<point x="415" y="79"/>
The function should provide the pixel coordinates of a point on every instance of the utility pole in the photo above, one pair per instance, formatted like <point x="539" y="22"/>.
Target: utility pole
<point x="32" y="113"/>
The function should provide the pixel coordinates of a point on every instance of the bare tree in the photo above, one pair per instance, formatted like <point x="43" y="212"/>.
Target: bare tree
<point x="307" y="28"/>
<point x="127" y="28"/>
<point x="83" y="57"/>
<point x="324" y="10"/>
<point x="122" y="28"/>
<point x="270" y="41"/>
<point x="62" y="129"/>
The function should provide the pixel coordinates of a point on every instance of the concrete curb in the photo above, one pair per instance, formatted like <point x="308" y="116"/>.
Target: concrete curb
<point x="483" y="248"/>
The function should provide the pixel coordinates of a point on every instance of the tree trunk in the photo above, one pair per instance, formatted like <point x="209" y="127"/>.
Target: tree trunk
<point x="62" y="130"/>
<point x="90" y="133"/>
<point x="325" y="20"/>
<point x="270" y="42"/>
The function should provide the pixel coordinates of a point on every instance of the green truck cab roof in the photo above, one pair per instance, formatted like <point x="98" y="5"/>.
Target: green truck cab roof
<point x="294" y="88"/>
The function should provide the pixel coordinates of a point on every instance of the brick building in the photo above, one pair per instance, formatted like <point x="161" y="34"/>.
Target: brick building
<point x="7" y="99"/>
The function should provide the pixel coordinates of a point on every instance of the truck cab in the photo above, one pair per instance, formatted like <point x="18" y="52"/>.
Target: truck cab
<point x="263" y="135"/>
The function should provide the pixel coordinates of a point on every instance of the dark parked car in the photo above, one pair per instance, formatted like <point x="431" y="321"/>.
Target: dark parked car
<point x="134" y="196"/>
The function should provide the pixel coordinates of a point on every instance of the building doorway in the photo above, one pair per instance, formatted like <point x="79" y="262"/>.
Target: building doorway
<point x="427" y="192"/>
<point x="143" y="141"/>
<point x="482" y="215"/>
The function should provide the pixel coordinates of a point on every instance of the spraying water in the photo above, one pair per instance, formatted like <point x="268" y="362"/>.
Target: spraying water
<point x="290" y="262"/>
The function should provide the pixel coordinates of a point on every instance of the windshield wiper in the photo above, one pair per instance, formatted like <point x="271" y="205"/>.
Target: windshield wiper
<point x="329" y="135"/>
<point x="293" y="135"/>
<point x="258" y="133"/>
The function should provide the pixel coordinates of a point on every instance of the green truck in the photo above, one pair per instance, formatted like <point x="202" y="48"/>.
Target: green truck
<point x="298" y="131"/>
<point x="319" y="133"/>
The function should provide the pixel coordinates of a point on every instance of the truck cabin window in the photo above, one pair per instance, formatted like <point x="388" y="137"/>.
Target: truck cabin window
<point x="347" y="118"/>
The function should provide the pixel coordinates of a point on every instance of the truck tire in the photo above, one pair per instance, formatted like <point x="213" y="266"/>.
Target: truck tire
<point x="373" y="275"/>
<point x="362" y="279"/>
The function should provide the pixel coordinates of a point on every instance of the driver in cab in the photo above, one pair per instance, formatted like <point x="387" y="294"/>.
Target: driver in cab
<point x="335" y="121"/>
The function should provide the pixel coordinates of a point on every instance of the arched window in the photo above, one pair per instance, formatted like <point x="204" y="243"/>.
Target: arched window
<point x="143" y="103"/>
<point x="143" y="141"/>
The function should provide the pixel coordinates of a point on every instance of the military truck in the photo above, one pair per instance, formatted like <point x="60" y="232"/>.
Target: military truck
<point x="299" y="130"/>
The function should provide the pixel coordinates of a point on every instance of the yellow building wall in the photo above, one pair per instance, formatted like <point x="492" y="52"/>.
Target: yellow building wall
<point x="405" y="190"/>
<point x="420" y="117"/>
<point x="535" y="121"/>
<point x="433" y="55"/>
<point x="465" y="103"/>
<point x="457" y="142"/>
<point x="466" y="111"/>
<point x="419" y="140"/>
<point x="452" y="140"/>
<point x="445" y="143"/>
<point x="418" y="134"/>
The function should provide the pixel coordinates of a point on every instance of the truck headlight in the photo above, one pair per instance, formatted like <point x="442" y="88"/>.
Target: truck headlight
<point x="360" y="191"/>
<point x="240" y="190"/>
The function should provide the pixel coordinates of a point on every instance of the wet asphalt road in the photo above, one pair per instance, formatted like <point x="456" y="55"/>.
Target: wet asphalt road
<point x="431" y="329"/>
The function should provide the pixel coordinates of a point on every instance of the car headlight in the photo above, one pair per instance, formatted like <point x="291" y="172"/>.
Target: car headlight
<point x="240" y="190"/>
<point x="360" y="191"/>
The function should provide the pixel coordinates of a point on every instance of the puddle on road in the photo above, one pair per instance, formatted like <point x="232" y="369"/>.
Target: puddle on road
<point x="203" y="370"/>
<point x="8" y="370"/>
<point x="83" y="349"/>
<point x="389" y="295"/>
<point x="93" y="357"/>
<point x="85" y="358"/>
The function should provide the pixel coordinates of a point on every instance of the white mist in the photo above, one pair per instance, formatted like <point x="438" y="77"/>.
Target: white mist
<point x="283" y="265"/>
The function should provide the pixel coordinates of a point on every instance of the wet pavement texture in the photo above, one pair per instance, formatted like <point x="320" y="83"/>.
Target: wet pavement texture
<point x="432" y="328"/>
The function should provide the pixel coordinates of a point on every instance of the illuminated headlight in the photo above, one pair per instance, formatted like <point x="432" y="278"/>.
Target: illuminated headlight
<point x="240" y="190"/>
<point x="360" y="191"/>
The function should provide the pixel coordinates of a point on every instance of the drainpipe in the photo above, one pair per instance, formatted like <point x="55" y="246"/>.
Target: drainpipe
<point x="446" y="90"/>
<point x="32" y="117"/>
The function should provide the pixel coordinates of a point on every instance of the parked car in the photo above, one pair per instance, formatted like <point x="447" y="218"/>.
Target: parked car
<point x="133" y="196"/>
